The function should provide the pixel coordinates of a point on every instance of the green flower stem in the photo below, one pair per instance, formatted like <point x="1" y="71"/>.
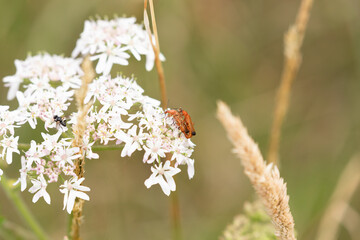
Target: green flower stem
<point x="22" y="209"/>
<point x="175" y="216"/>
<point x="70" y="219"/>
<point x="10" y="230"/>
<point x="25" y="146"/>
<point x="107" y="147"/>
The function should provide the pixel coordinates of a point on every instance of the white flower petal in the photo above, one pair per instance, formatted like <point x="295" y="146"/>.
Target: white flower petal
<point x="47" y="197"/>
<point x="37" y="196"/>
<point x="152" y="180"/>
<point x="170" y="181"/>
<point x="66" y="195"/>
<point x="70" y="202"/>
<point x="82" y="195"/>
<point x="83" y="188"/>
<point x="191" y="168"/>
<point x="164" y="186"/>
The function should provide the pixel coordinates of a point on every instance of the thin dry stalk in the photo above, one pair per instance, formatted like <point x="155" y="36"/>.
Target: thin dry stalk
<point x="293" y="41"/>
<point x="338" y="206"/>
<point x="265" y="178"/>
<point x="79" y="130"/>
<point x="174" y="201"/>
<point x="351" y="222"/>
<point x="156" y="48"/>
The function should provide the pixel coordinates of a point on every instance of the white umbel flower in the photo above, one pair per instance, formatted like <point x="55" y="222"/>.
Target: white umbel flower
<point x="39" y="186"/>
<point x="72" y="190"/>
<point x="9" y="145"/>
<point x="43" y="68"/>
<point x="112" y="42"/>
<point x="163" y="175"/>
<point x="23" y="175"/>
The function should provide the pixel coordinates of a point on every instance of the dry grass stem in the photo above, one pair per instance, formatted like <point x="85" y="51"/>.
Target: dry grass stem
<point x="265" y="178"/>
<point x="292" y="45"/>
<point x="351" y="222"/>
<point x="156" y="48"/>
<point x="78" y="130"/>
<point x="338" y="206"/>
<point x="174" y="201"/>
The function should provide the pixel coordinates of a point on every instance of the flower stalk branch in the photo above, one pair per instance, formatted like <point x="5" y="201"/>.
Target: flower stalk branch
<point x="23" y="146"/>
<point x="97" y="148"/>
<point x="175" y="214"/>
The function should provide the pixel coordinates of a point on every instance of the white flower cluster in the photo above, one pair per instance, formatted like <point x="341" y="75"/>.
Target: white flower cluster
<point x="38" y="72"/>
<point x="111" y="41"/>
<point x="39" y="99"/>
<point x="128" y="117"/>
<point x="8" y="142"/>
<point x="44" y="86"/>
<point x="46" y="83"/>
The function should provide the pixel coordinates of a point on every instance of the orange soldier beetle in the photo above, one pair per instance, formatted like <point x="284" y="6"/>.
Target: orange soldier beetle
<point x="183" y="120"/>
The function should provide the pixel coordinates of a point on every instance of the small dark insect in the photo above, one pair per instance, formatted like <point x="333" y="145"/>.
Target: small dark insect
<point x="60" y="121"/>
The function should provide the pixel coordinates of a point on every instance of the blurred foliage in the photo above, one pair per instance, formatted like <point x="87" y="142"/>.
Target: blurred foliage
<point x="254" y="224"/>
<point x="230" y="50"/>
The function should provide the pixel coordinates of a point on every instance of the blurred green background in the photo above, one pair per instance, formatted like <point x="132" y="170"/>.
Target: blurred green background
<point x="230" y="50"/>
